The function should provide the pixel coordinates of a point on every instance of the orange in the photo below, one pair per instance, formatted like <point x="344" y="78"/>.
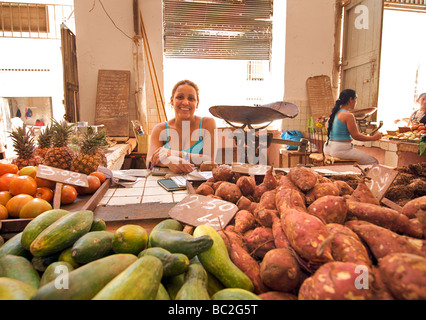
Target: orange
<point x="100" y="175"/>
<point x="3" y="212"/>
<point x="130" y="238"/>
<point x="8" y="168"/>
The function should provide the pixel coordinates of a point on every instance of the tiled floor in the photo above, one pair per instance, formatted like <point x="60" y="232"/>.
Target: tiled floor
<point x="145" y="190"/>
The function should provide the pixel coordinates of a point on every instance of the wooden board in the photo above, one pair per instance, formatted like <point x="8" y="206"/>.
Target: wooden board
<point x="320" y="96"/>
<point x="133" y="212"/>
<point x="112" y="102"/>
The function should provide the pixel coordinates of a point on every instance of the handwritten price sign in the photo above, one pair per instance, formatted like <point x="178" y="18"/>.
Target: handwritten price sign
<point x="197" y="209"/>
<point x="63" y="176"/>
<point x="381" y="179"/>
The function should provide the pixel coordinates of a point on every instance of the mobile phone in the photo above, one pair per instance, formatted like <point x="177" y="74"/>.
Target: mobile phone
<point x="170" y="185"/>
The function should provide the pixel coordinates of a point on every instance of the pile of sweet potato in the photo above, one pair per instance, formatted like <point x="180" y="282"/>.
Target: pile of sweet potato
<point x="302" y="236"/>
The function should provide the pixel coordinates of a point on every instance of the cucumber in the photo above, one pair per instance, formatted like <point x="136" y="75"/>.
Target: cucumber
<point x="11" y="289"/>
<point x="173" y="263"/>
<point x="86" y="281"/>
<point x="180" y="242"/>
<point x="195" y="285"/>
<point x="38" y="224"/>
<point x="92" y="246"/>
<point x="53" y="270"/>
<point x="19" y="268"/>
<point x="235" y="294"/>
<point x="62" y="233"/>
<point x="98" y="225"/>
<point x="216" y="261"/>
<point x="13" y="246"/>
<point x="140" y="281"/>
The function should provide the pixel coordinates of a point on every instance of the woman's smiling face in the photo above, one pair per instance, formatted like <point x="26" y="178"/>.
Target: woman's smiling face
<point x="184" y="101"/>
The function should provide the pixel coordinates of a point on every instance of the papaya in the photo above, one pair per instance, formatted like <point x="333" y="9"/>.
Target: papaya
<point x="180" y="242"/>
<point x="19" y="268"/>
<point x="195" y="284"/>
<point x="98" y="225"/>
<point x="235" y="294"/>
<point x="162" y="293"/>
<point x="41" y="263"/>
<point x="54" y="270"/>
<point x="92" y="246"/>
<point x="12" y="289"/>
<point x="62" y="233"/>
<point x="140" y="281"/>
<point x="38" y="224"/>
<point x="216" y="261"/>
<point x="86" y="281"/>
<point x="173" y="263"/>
<point x="13" y="246"/>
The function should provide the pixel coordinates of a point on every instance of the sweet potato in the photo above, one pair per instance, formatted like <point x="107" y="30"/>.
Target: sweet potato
<point x="234" y="236"/>
<point x="277" y="295"/>
<point x="279" y="270"/>
<point x="243" y="203"/>
<point x="265" y="217"/>
<point x="269" y="180"/>
<point x="228" y="191"/>
<point x="381" y="216"/>
<point x="205" y="189"/>
<point x="306" y="233"/>
<point x="259" y="241"/>
<point x="380" y="291"/>
<point x="323" y="189"/>
<point x="222" y="173"/>
<point x="247" y="264"/>
<point x="346" y="245"/>
<point x="335" y="281"/>
<point x="304" y="178"/>
<point x="267" y="200"/>
<point x="362" y="193"/>
<point x="344" y="187"/>
<point x="381" y="241"/>
<point x="259" y="190"/>
<point x="244" y="221"/>
<point x="331" y="209"/>
<point x="289" y="198"/>
<point x="246" y="185"/>
<point x="280" y="239"/>
<point x="412" y="207"/>
<point x="285" y="182"/>
<point x="404" y="275"/>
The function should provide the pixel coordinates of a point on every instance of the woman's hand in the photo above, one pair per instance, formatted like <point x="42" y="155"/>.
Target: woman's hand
<point x="376" y="136"/>
<point x="179" y="165"/>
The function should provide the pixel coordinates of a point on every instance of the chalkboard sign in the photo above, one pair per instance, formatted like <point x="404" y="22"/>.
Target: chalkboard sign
<point x="196" y="209"/>
<point x="381" y="179"/>
<point x="63" y="176"/>
<point x="112" y="102"/>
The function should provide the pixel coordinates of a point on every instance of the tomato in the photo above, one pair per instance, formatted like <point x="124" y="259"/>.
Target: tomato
<point x="45" y="183"/>
<point x="23" y="184"/>
<point x="15" y="204"/>
<point x="34" y="207"/>
<point x="100" y="175"/>
<point x="3" y="212"/>
<point x="8" y="168"/>
<point x="68" y="194"/>
<point x="44" y="193"/>
<point x="5" y="196"/>
<point x="6" y="179"/>
<point x="421" y="127"/>
<point x="94" y="184"/>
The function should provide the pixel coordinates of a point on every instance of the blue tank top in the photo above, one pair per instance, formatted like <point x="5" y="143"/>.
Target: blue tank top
<point x="196" y="148"/>
<point x="339" y="130"/>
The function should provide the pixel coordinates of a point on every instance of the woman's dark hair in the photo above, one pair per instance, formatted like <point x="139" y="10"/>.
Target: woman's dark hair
<point x="344" y="97"/>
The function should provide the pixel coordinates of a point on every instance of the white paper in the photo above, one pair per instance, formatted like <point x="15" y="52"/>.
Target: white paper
<point x="194" y="175"/>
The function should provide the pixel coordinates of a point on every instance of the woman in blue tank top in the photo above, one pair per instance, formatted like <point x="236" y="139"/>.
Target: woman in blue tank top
<point x="187" y="139"/>
<point x="342" y="128"/>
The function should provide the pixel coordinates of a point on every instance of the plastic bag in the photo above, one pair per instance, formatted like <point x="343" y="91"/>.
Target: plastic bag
<point x="293" y="135"/>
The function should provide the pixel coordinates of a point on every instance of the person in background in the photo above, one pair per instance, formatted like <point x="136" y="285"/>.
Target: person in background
<point x="39" y="123"/>
<point x="419" y="116"/>
<point x="342" y="129"/>
<point x="187" y="139"/>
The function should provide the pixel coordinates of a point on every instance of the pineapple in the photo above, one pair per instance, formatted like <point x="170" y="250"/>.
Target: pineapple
<point x="91" y="154"/>
<point x="44" y="142"/>
<point x="59" y="155"/>
<point x="24" y="145"/>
